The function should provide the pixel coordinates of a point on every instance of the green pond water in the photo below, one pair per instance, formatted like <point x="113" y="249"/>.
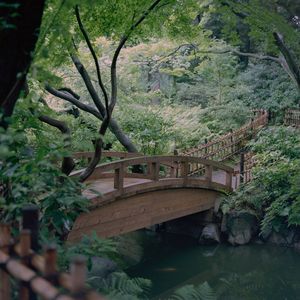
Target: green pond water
<point x="245" y="272"/>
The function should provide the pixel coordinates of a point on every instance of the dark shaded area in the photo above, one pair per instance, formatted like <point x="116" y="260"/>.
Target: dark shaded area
<point x="19" y="29"/>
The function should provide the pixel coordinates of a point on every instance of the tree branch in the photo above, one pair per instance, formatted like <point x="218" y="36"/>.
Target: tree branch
<point x="68" y="97"/>
<point x="70" y="91"/>
<point x="99" y="142"/>
<point x="68" y="163"/>
<point x="88" y="83"/>
<point x="89" y="44"/>
<point x="289" y="62"/>
<point x="113" y="125"/>
<point x="117" y="53"/>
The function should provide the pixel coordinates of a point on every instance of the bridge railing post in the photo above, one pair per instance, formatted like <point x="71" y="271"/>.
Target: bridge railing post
<point x="229" y="176"/>
<point x="185" y="170"/>
<point x="155" y="166"/>
<point x="119" y="178"/>
<point x="208" y="173"/>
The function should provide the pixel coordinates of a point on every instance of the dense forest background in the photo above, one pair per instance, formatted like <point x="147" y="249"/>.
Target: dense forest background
<point x="147" y="77"/>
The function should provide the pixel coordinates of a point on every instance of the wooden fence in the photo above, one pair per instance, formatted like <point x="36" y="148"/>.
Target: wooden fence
<point x="26" y="275"/>
<point x="292" y="118"/>
<point x="229" y="144"/>
<point x="244" y="174"/>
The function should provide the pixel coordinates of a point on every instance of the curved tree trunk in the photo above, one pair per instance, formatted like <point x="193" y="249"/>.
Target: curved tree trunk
<point x="122" y="137"/>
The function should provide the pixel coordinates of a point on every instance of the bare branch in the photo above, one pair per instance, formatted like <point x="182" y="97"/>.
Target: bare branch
<point x="256" y="56"/>
<point x="71" y="99"/>
<point x="88" y="83"/>
<point x="70" y="91"/>
<point x="117" y="53"/>
<point x="89" y="44"/>
<point x="176" y="50"/>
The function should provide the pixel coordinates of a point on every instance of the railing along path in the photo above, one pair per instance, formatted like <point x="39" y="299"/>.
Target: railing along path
<point x="292" y="117"/>
<point x="229" y="144"/>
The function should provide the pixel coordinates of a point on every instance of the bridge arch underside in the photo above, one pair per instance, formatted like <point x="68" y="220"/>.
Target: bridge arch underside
<point x="143" y="210"/>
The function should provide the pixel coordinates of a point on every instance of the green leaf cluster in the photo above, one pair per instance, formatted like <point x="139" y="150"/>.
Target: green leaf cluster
<point x="274" y="192"/>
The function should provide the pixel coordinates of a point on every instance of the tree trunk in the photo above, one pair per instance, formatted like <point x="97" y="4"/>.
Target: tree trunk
<point x="17" y="43"/>
<point x="122" y="137"/>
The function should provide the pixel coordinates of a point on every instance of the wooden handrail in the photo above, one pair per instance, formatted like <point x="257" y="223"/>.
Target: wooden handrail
<point x="255" y="124"/>
<point x="292" y="117"/>
<point x="156" y="178"/>
<point x="163" y="160"/>
<point x="229" y="144"/>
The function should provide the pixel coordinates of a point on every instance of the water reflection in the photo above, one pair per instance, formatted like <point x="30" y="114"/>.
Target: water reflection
<point x="234" y="273"/>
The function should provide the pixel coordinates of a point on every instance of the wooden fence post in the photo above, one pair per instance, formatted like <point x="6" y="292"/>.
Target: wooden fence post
<point x="231" y="142"/>
<point x="50" y="270"/>
<point x="78" y="274"/>
<point x="251" y="128"/>
<point x="242" y="167"/>
<point x="31" y="221"/>
<point x="30" y="214"/>
<point x="4" y="277"/>
<point x="25" y="247"/>
<point x="205" y="149"/>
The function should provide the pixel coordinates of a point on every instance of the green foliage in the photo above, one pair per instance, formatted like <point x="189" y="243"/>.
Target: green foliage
<point x="267" y="86"/>
<point x="30" y="174"/>
<point x="111" y="19"/>
<point x="262" y="18"/>
<point x="89" y="246"/>
<point x="118" y="286"/>
<point x="147" y="129"/>
<point x="274" y="192"/>
<point x="191" y="292"/>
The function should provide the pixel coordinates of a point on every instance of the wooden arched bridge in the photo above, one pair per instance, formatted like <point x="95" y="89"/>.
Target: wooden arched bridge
<point x="136" y="192"/>
<point x="130" y="201"/>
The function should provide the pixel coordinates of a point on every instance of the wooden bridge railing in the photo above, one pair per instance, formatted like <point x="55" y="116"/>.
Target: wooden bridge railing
<point x="229" y="144"/>
<point x="34" y="275"/>
<point x="292" y="117"/>
<point x="160" y="170"/>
